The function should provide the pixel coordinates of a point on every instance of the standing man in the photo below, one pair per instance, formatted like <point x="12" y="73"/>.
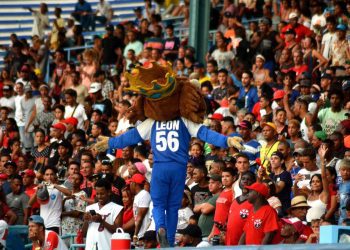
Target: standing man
<point x="251" y="146"/>
<point x="261" y="226"/>
<point x="74" y="109"/>
<point x="41" y="20"/>
<point x="248" y="94"/>
<point x="112" y="49"/>
<point x="141" y="205"/>
<point x="102" y="218"/>
<point x="269" y="131"/>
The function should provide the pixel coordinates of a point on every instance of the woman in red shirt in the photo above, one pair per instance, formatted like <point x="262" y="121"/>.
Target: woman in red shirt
<point x="239" y="211"/>
<point x="128" y="216"/>
<point x="10" y="133"/>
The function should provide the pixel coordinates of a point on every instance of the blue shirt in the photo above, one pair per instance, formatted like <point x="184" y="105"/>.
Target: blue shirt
<point x="248" y="98"/>
<point x="252" y="150"/>
<point x="83" y="7"/>
<point x="169" y="139"/>
<point x="344" y="193"/>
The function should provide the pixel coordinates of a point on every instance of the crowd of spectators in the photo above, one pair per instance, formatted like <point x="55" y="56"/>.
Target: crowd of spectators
<point x="277" y="75"/>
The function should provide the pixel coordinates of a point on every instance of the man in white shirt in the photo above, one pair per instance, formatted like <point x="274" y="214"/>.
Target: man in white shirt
<point x="102" y="218"/>
<point x="141" y="205"/>
<point x="329" y="38"/>
<point x="49" y="197"/>
<point x="74" y="109"/>
<point x="18" y="111"/>
<point x="103" y="13"/>
<point x="8" y="100"/>
<point x="41" y="20"/>
<point x="308" y="159"/>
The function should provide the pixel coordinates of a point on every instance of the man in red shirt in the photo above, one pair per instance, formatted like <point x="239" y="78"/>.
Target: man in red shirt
<point x="223" y="203"/>
<point x="261" y="227"/>
<point x="239" y="211"/>
<point x="299" y="66"/>
<point x="28" y="176"/>
<point x="300" y="30"/>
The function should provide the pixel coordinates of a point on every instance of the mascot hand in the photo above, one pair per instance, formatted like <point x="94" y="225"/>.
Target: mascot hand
<point x="101" y="144"/>
<point x="235" y="142"/>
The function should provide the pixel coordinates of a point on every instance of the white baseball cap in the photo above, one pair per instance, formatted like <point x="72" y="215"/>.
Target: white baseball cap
<point x="293" y="15"/>
<point x="95" y="87"/>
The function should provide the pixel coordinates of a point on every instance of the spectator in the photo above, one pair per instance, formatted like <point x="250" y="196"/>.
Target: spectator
<point x="224" y="201"/>
<point x="291" y="230"/>
<point x="206" y="209"/>
<point x="74" y="109"/>
<point x="261" y="226"/>
<point x="41" y="20"/>
<point x="270" y="135"/>
<point x="73" y="207"/>
<point x="300" y="30"/>
<point x="248" y="94"/>
<point x="101" y="219"/>
<point x="239" y="210"/>
<point x="192" y="237"/>
<point x="99" y="102"/>
<point x="282" y="180"/>
<point x="43" y="237"/>
<point x="103" y="13"/>
<point x="112" y="48"/>
<point x="185" y="212"/>
<point x="200" y="192"/>
<point x="18" y="200"/>
<point x="329" y="38"/>
<point x="141" y="205"/>
<point x="343" y="188"/>
<point x="83" y="14"/>
<point x="58" y="26"/>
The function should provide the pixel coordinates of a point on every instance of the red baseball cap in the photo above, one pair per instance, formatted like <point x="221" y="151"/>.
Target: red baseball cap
<point x="260" y="188"/>
<point x="295" y="222"/>
<point x="71" y="120"/>
<point x="59" y="126"/>
<point x="29" y="173"/>
<point x="279" y="94"/>
<point x="217" y="116"/>
<point x="4" y="176"/>
<point x="137" y="178"/>
<point x="347" y="141"/>
<point x="245" y="124"/>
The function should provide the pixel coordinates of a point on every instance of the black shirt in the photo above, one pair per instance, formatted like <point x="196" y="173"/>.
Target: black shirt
<point x="109" y="45"/>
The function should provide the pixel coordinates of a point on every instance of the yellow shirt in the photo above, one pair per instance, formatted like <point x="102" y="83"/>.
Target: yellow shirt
<point x="266" y="152"/>
<point x="204" y="79"/>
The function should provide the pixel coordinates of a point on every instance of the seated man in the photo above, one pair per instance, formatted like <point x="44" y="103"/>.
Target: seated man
<point x="41" y="238"/>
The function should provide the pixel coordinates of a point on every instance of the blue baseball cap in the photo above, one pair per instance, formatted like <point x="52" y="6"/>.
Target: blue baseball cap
<point x="342" y="27"/>
<point x="36" y="219"/>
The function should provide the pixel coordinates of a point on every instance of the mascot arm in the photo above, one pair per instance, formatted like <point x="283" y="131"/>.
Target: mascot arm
<point x="205" y="134"/>
<point x="132" y="137"/>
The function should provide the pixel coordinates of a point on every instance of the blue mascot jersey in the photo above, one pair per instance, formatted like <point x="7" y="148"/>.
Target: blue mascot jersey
<point x="169" y="139"/>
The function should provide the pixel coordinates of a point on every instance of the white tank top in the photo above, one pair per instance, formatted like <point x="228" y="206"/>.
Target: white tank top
<point x="304" y="129"/>
<point x="316" y="210"/>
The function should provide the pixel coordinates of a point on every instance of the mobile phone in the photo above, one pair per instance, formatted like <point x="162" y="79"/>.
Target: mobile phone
<point x="92" y="212"/>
